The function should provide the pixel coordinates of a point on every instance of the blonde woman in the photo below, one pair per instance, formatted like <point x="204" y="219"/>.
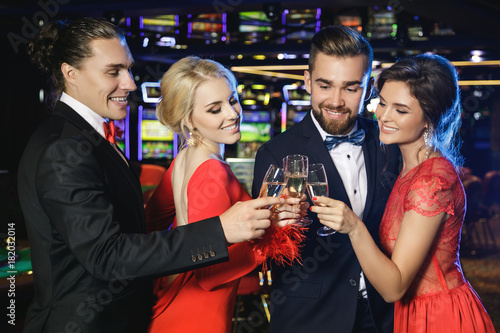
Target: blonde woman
<point x="200" y="102"/>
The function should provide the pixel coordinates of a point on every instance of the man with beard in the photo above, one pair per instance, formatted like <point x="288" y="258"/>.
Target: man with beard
<point x="328" y="292"/>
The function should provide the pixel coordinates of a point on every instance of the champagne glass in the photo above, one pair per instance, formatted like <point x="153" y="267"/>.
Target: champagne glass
<point x="317" y="186"/>
<point x="296" y="167"/>
<point x="273" y="183"/>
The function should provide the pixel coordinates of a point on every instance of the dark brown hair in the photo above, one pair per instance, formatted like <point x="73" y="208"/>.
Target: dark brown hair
<point x="433" y="81"/>
<point x="340" y="41"/>
<point x="68" y="42"/>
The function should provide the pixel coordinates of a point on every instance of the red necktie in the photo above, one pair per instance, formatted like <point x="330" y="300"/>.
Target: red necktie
<point x="109" y="131"/>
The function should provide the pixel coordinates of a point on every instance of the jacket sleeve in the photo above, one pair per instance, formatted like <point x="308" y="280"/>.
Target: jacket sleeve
<point x="74" y="191"/>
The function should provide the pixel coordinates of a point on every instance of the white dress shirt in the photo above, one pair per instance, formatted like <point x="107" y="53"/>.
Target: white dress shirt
<point x="95" y="120"/>
<point x="350" y="163"/>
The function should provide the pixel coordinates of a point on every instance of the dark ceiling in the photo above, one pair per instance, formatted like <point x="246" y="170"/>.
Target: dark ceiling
<point x="475" y="24"/>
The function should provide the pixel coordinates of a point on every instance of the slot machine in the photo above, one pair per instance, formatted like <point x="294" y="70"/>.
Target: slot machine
<point x="155" y="141"/>
<point x="209" y="28"/>
<point x="301" y="24"/>
<point x="296" y="105"/>
<point x="255" y="129"/>
<point x="256" y="121"/>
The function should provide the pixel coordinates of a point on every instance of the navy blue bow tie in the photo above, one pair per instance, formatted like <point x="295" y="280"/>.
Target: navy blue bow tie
<point x="356" y="138"/>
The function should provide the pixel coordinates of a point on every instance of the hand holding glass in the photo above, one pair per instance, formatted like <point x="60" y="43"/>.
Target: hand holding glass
<point x="273" y="183"/>
<point x="296" y="167"/>
<point x="317" y="185"/>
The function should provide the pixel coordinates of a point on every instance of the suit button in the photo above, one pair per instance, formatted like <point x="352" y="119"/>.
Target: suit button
<point x="353" y="282"/>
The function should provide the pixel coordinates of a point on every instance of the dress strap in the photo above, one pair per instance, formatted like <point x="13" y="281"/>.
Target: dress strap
<point x="439" y="272"/>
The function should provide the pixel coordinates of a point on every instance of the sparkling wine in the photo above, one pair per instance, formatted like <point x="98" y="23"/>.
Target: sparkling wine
<point x="317" y="190"/>
<point x="296" y="185"/>
<point x="272" y="189"/>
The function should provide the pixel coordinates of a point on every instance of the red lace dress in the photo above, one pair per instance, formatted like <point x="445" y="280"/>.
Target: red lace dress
<point x="439" y="299"/>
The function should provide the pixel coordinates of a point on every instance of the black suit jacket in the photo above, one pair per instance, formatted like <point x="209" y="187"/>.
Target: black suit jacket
<point x="93" y="263"/>
<point x="322" y="294"/>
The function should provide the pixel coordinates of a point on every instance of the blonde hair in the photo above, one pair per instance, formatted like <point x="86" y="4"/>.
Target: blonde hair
<point x="178" y="88"/>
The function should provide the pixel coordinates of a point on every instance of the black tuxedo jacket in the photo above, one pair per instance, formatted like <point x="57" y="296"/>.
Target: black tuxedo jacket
<point x="322" y="294"/>
<point x="93" y="263"/>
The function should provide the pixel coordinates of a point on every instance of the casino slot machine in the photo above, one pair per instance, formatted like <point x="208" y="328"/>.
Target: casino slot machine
<point x="301" y="24"/>
<point x="256" y="120"/>
<point x="209" y="28"/>
<point x="155" y="141"/>
<point x="296" y="105"/>
<point x="255" y="130"/>
<point x="254" y="27"/>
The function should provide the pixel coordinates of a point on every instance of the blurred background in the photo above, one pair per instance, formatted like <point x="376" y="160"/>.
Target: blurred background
<point x="266" y="44"/>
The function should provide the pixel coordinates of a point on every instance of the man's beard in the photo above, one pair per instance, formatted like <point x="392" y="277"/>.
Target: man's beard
<point x="335" y="127"/>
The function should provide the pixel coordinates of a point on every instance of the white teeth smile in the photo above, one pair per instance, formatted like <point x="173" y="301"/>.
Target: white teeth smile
<point x="389" y="129"/>
<point x="335" y="113"/>
<point x="229" y="128"/>
<point x="119" y="99"/>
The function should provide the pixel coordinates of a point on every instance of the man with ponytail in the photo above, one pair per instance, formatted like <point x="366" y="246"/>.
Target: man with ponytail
<point x="92" y="262"/>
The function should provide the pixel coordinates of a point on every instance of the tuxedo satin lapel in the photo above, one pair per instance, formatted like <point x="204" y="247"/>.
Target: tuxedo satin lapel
<point x="96" y="141"/>
<point x="317" y="153"/>
<point x="370" y="148"/>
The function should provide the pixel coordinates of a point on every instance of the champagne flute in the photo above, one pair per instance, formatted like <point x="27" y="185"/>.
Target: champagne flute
<point x="273" y="183"/>
<point x="296" y="167"/>
<point x="317" y="186"/>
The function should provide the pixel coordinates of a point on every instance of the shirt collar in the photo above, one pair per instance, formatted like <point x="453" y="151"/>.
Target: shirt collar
<point x="95" y="120"/>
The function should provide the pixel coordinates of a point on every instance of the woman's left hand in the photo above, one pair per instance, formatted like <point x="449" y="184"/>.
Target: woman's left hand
<point x="335" y="214"/>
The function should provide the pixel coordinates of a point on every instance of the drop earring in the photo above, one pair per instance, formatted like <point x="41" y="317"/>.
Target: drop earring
<point x="428" y="142"/>
<point x="191" y="140"/>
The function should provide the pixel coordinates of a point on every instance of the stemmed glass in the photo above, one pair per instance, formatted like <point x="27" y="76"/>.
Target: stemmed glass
<point x="273" y="183"/>
<point x="317" y="186"/>
<point x="296" y="167"/>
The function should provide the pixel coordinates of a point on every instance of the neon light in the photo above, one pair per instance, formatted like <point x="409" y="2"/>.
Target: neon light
<point x="144" y="90"/>
<point x="139" y="134"/>
<point x="284" y="111"/>
<point x="306" y="103"/>
<point x="479" y="83"/>
<point x="127" y="133"/>
<point x="287" y="87"/>
<point x="224" y="23"/>
<point x="270" y="70"/>
<point x="176" y="144"/>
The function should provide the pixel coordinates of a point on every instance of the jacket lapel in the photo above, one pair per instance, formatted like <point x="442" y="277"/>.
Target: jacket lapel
<point x="370" y="148"/>
<point x="318" y="153"/>
<point x="96" y="141"/>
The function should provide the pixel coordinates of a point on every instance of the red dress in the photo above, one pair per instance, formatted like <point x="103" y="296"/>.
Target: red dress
<point x="202" y="300"/>
<point x="439" y="299"/>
